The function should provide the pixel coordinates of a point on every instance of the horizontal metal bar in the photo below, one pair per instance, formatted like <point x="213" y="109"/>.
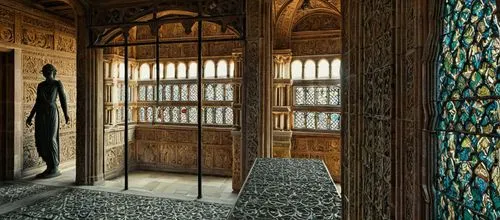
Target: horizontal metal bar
<point x="166" y="42"/>
<point x="163" y="20"/>
<point x="190" y="81"/>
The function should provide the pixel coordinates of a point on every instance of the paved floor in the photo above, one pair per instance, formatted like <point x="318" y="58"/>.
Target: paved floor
<point x="182" y="186"/>
<point x="155" y="195"/>
<point x="167" y="185"/>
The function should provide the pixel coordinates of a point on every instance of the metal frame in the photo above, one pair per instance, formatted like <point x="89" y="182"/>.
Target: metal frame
<point x="114" y="29"/>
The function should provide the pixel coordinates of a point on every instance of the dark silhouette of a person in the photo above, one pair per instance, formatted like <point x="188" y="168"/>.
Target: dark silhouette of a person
<point x="47" y="120"/>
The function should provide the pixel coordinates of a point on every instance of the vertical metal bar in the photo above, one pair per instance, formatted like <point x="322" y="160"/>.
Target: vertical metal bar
<point x="157" y="45"/>
<point x="125" y="35"/>
<point x="200" y="98"/>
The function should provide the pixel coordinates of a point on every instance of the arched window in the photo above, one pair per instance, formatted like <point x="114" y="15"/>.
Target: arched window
<point x="468" y="105"/>
<point x="181" y="71"/>
<point x="144" y="72"/>
<point x="231" y="69"/>
<point x="161" y="71"/>
<point x="297" y="69"/>
<point x="336" y="69"/>
<point x="222" y="69"/>
<point x="193" y="70"/>
<point x="310" y="70"/>
<point x="323" y="69"/>
<point x="170" y="71"/>
<point x="121" y="71"/>
<point x="209" y="69"/>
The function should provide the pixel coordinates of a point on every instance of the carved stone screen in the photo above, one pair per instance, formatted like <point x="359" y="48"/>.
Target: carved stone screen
<point x="468" y="173"/>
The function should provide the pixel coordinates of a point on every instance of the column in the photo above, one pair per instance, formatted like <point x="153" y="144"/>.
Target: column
<point x="236" y="133"/>
<point x="89" y="129"/>
<point x="282" y="134"/>
<point x="257" y="85"/>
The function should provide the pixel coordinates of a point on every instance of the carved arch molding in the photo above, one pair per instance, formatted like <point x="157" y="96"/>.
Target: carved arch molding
<point x="387" y="73"/>
<point x="288" y="13"/>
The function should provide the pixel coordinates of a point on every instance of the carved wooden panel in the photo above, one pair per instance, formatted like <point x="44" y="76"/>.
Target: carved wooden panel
<point x="175" y="149"/>
<point x="326" y="148"/>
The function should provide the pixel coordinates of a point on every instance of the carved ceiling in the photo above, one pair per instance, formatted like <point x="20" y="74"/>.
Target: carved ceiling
<point x="319" y="15"/>
<point x="60" y="8"/>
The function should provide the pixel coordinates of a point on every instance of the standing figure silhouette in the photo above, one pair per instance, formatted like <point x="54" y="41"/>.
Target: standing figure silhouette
<point x="47" y="120"/>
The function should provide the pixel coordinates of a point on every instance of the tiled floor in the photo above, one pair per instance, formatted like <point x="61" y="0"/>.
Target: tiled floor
<point x="160" y="184"/>
<point x="181" y="186"/>
<point x="75" y="203"/>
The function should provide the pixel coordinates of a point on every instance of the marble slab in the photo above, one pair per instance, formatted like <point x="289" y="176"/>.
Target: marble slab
<point x="288" y="189"/>
<point x="89" y="204"/>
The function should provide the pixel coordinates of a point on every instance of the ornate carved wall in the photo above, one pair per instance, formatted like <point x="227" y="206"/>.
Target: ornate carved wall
<point x="174" y="149"/>
<point x="317" y="146"/>
<point x="42" y="39"/>
<point x="383" y="118"/>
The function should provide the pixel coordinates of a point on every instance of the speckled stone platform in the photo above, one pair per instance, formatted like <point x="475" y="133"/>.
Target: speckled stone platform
<point x="288" y="189"/>
<point x="87" y="204"/>
<point x="10" y="192"/>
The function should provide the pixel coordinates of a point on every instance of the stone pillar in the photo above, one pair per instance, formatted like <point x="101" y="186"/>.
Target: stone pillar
<point x="89" y="129"/>
<point x="282" y="106"/>
<point x="257" y="85"/>
<point x="236" y="133"/>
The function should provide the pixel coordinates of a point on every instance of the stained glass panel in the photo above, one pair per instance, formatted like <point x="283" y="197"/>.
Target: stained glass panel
<point x="334" y="95"/>
<point x="166" y="114"/>
<point x="299" y="120"/>
<point x="158" y="115"/>
<point x="184" y="92"/>
<point x="322" y="96"/>
<point x="310" y="120"/>
<point x="229" y="116"/>
<point x="209" y="92"/>
<point x="149" y="114"/>
<point x="142" y="93"/>
<point x="300" y="96"/>
<point x="193" y="92"/>
<point x="229" y="92"/>
<point x="175" y="93"/>
<point x="334" y="121"/>
<point x="122" y="94"/>
<point x="184" y="115"/>
<point x="168" y="93"/>
<point x="468" y="173"/>
<point x="160" y="93"/>
<point x="175" y="115"/>
<point x="150" y="93"/>
<point x="209" y="115"/>
<point x="309" y="95"/>
<point x="142" y="115"/>
<point x="219" y="116"/>
<point x="322" y="121"/>
<point x="193" y="115"/>
<point x="219" y="92"/>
